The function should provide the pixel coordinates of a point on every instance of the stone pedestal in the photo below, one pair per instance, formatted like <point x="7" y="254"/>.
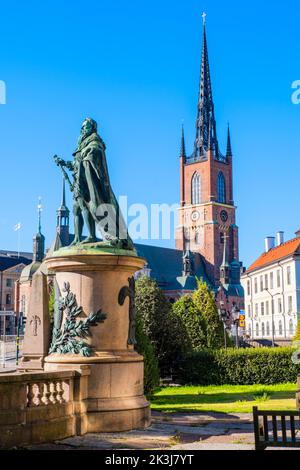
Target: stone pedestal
<point x="36" y="340"/>
<point x="115" y="397"/>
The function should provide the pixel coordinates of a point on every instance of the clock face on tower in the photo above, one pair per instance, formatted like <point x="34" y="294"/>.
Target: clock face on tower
<point x="224" y="216"/>
<point x="195" y="216"/>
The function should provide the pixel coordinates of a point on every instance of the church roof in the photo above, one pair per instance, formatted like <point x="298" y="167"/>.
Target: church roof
<point x="166" y="265"/>
<point x="7" y="262"/>
<point x="278" y="253"/>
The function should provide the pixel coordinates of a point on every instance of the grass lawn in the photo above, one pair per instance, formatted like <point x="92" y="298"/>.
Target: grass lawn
<point x="225" y="398"/>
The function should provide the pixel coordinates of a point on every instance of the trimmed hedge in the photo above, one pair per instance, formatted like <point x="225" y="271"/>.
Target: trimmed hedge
<point x="265" y="366"/>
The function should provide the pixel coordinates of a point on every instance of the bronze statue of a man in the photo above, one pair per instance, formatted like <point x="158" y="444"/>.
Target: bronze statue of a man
<point x="94" y="201"/>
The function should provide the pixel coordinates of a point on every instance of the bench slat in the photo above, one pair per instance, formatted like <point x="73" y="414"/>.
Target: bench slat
<point x="275" y="434"/>
<point x="266" y="429"/>
<point x="293" y="432"/>
<point x="283" y="427"/>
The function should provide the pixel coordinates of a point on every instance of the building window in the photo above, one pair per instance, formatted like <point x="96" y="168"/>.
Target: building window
<point x="288" y="276"/>
<point x="255" y="285"/>
<point x="196" y="189"/>
<point x="256" y="310"/>
<point x="268" y="329"/>
<point x="248" y="288"/>
<point x="267" y="308"/>
<point x="9" y="282"/>
<point x="271" y="280"/>
<point x="257" y="329"/>
<point x="279" y="306"/>
<point x="280" y="328"/>
<point x="8" y="299"/>
<point x="272" y="307"/>
<point x="249" y="331"/>
<point x="291" y="328"/>
<point x="249" y="310"/>
<point x="290" y="304"/>
<point x="261" y="283"/>
<point x="278" y="278"/>
<point x="262" y="306"/>
<point x="263" y="329"/>
<point x="266" y="282"/>
<point x="221" y="189"/>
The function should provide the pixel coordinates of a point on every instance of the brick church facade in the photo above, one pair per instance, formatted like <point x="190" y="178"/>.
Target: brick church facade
<point x="207" y="214"/>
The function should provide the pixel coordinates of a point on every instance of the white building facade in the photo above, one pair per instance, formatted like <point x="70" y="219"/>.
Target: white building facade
<point x="272" y="292"/>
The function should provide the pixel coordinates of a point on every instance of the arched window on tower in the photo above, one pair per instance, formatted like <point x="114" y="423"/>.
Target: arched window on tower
<point x="196" y="189"/>
<point x="221" y="188"/>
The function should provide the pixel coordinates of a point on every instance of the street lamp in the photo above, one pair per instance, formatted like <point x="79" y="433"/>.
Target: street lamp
<point x="235" y="314"/>
<point x="272" y="313"/>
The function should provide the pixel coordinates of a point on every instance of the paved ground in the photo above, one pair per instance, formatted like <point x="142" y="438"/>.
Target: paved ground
<point x="177" y="432"/>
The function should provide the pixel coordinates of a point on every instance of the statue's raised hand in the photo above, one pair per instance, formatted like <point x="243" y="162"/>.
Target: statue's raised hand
<point x="58" y="161"/>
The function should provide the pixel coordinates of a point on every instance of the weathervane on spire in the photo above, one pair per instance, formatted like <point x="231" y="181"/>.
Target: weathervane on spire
<point x="204" y="15"/>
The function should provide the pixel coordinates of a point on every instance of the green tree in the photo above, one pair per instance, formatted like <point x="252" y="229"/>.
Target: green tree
<point x="204" y="301"/>
<point x="144" y="347"/>
<point x="161" y="325"/>
<point x="193" y="320"/>
<point x="297" y="335"/>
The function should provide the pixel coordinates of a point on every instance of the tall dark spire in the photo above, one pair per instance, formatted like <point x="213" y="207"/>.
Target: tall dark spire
<point x="63" y="218"/>
<point x="206" y="122"/>
<point x="182" y="150"/>
<point x="39" y="239"/>
<point x="229" y="150"/>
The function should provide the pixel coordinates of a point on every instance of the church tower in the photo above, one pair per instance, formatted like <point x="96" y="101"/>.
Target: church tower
<point x="39" y="239"/>
<point x="207" y="210"/>
<point x="63" y="219"/>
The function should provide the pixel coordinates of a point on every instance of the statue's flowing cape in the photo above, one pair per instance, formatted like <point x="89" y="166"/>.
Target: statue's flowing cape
<point x="97" y="190"/>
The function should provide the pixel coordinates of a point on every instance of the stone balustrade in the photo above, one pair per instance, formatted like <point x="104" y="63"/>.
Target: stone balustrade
<point x="42" y="407"/>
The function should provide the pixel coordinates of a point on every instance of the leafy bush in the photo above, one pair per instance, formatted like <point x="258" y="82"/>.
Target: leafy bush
<point x="240" y="367"/>
<point x="161" y="325"/>
<point x="193" y="321"/>
<point x="200" y="319"/>
<point x="145" y="348"/>
<point x="205" y="303"/>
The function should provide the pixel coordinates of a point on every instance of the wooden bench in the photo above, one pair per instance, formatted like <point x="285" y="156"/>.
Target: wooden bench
<point x="276" y="429"/>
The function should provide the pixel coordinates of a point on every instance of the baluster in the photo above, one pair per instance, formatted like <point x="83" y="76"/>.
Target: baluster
<point x="30" y="395"/>
<point x="53" y="393"/>
<point x="46" y="394"/>
<point x="60" y="392"/>
<point x="37" y="394"/>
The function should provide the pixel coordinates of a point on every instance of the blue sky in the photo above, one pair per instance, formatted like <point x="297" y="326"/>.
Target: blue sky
<point x="134" y="67"/>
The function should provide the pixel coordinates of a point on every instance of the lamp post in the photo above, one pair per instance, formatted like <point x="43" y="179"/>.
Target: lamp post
<point x="235" y="313"/>
<point x="272" y="313"/>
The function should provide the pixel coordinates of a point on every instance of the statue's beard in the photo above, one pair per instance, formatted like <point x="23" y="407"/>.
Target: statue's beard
<point x="83" y="135"/>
